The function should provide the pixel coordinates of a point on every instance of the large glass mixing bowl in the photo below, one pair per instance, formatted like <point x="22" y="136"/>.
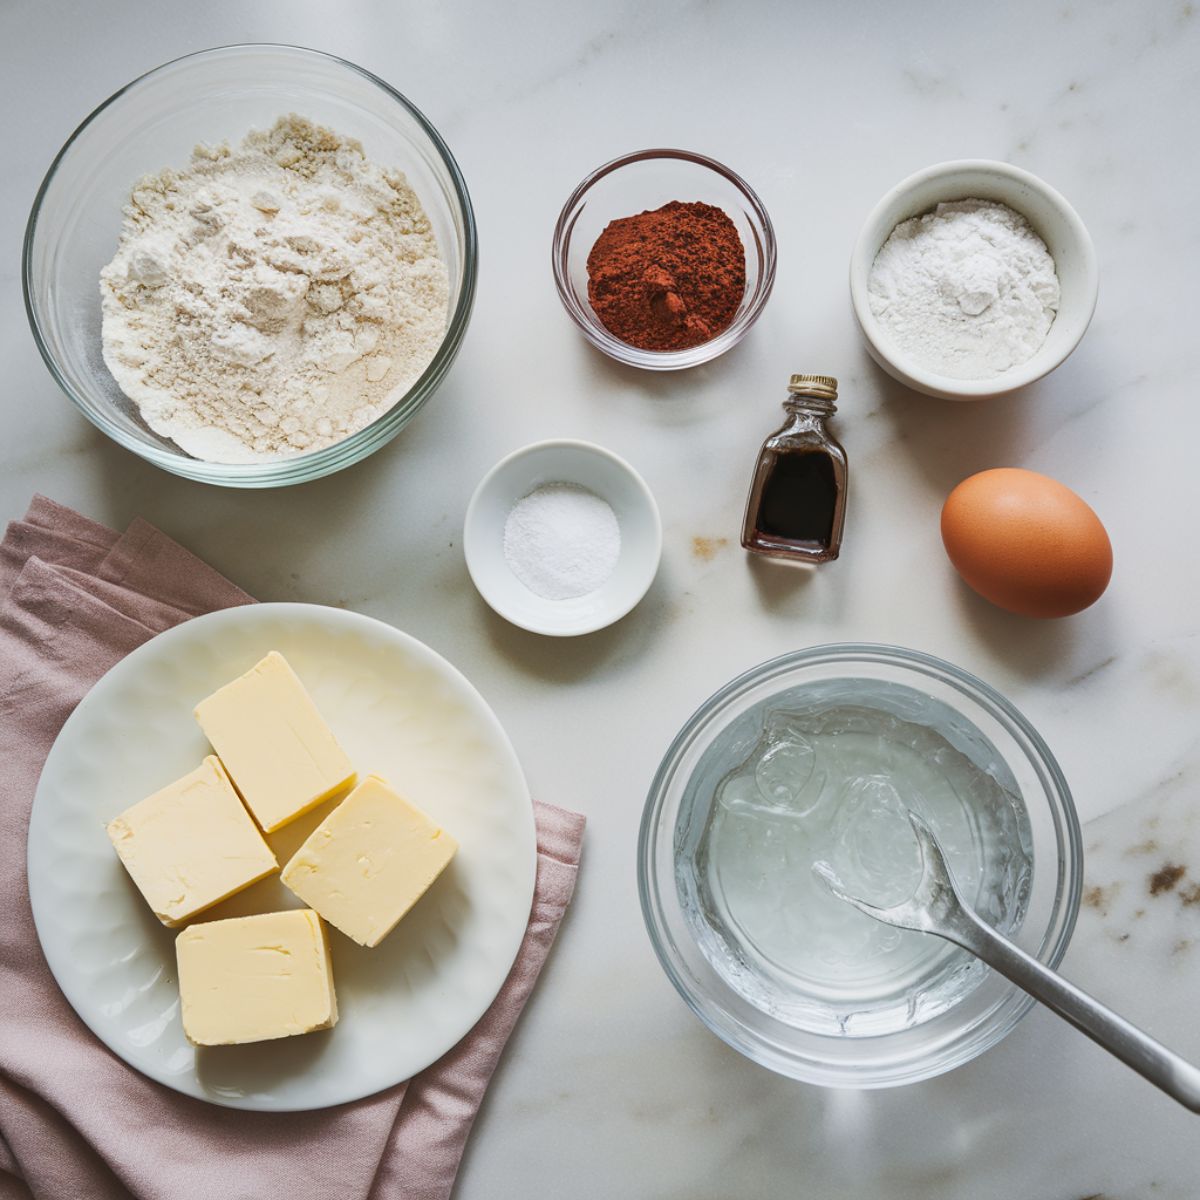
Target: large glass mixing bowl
<point x="705" y="750"/>
<point x="156" y="121"/>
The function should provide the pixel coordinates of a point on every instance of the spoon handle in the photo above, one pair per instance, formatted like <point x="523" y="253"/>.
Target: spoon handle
<point x="1151" y="1059"/>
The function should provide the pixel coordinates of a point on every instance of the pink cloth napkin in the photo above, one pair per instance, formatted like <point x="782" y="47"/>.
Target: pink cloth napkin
<point x="75" y="1121"/>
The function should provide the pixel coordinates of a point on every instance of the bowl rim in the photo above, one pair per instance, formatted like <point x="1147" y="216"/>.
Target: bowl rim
<point x="971" y="1042"/>
<point x="947" y="387"/>
<point x="662" y="360"/>
<point x="316" y="464"/>
<point x="650" y="506"/>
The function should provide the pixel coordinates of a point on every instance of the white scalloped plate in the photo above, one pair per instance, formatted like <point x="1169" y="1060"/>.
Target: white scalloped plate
<point x="399" y="709"/>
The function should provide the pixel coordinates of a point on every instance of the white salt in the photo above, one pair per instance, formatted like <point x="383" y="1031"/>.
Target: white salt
<point x="562" y="541"/>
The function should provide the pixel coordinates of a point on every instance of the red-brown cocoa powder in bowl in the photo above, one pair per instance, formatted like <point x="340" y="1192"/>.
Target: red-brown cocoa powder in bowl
<point x="668" y="279"/>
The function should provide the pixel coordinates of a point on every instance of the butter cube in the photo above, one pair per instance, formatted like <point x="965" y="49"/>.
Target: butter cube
<point x="369" y="861"/>
<point x="251" y="979"/>
<point x="278" y="751"/>
<point x="191" y="845"/>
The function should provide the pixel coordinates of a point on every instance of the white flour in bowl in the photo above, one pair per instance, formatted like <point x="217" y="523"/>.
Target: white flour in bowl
<point x="274" y="298"/>
<point x="968" y="290"/>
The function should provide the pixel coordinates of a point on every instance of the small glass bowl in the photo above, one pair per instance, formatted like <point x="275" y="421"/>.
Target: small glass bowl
<point x="647" y="180"/>
<point x="155" y="121"/>
<point x="983" y="1015"/>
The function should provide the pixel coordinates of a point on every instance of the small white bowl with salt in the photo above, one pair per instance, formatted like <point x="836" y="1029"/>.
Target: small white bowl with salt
<point x="960" y="302"/>
<point x="562" y="538"/>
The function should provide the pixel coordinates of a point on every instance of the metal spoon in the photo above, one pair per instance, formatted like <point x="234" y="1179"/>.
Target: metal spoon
<point x="937" y="907"/>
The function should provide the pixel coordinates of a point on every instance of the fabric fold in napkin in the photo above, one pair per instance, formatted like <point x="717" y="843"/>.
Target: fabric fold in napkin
<point x="75" y="1121"/>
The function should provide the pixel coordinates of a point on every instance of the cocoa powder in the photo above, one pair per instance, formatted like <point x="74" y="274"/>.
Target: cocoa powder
<point x="669" y="278"/>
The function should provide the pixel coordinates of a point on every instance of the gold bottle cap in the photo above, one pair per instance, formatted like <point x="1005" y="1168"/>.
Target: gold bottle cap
<point x="822" y="386"/>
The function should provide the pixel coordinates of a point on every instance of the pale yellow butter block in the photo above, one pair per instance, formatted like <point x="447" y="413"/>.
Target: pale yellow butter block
<point x="278" y="751"/>
<point x="369" y="861"/>
<point x="252" y="979"/>
<point x="191" y="844"/>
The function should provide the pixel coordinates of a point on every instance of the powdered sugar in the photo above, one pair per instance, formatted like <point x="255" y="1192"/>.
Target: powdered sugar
<point x="968" y="290"/>
<point x="562" y="541"/>
<point x="272" y="299"/>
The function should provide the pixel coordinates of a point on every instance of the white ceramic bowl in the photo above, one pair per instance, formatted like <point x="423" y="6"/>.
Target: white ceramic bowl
<point x="1051" y="217"/>
<point x="562" y="461"/>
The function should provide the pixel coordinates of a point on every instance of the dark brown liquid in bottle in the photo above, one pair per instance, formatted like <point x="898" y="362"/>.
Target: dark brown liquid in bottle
<point x="799" y="499"/>
<point x="797" y="503"/>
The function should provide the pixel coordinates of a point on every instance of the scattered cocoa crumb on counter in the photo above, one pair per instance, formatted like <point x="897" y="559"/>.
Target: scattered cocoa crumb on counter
<point x="1190" y="895"/>
<point x="1165" y="878"/>
<point x="1138" y="913"/>
<point x="1147" y="847"/>
<point x="1181" y="946"/>
<point x="1100" y="898"/>
<point x="707" y="548"/>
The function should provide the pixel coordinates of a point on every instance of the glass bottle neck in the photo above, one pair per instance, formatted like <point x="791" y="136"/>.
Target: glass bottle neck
<point x="807" y="412"/>
<point x="816" y="406"/>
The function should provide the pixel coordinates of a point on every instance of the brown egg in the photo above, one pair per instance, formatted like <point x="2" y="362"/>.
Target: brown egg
<point x="1026" y="543"/>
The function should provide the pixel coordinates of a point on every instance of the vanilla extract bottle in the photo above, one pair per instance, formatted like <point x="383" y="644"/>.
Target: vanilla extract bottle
<point x="797" y="502"/>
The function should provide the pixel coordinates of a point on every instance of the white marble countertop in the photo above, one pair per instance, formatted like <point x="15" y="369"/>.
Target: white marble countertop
<point x="611" y="1087"/>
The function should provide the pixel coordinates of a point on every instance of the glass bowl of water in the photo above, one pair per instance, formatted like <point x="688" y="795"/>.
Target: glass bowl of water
<point x="815" y="757"/>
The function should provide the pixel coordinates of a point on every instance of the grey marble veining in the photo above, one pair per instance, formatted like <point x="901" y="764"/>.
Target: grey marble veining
<point x="610" y="1087"/>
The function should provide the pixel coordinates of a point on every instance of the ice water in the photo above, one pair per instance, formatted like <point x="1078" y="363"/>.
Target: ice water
<point x="827" y="773"/>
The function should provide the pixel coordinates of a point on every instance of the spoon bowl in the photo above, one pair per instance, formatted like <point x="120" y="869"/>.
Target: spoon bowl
<point x="937" y="907"/>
